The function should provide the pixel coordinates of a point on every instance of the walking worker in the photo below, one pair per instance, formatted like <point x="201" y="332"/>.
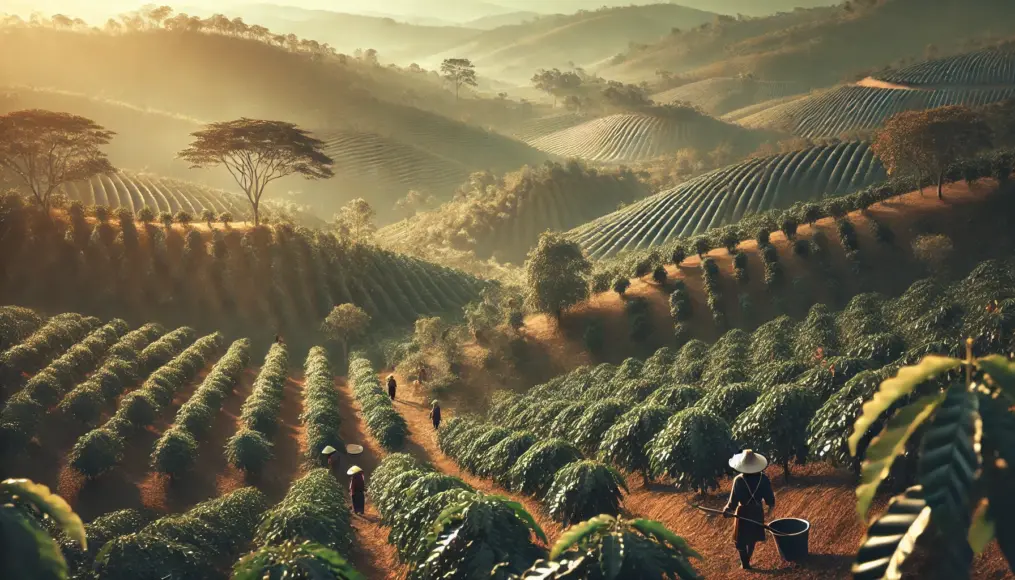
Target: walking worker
<point x="435" y="414"/>
<point x="357" y="489"/>
<point x="333" y="459"/>
<point x="750" y="488"/>
<point x="392" y="386"/>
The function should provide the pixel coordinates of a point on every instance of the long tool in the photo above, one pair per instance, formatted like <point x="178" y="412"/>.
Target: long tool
<point x="732" y="515"/>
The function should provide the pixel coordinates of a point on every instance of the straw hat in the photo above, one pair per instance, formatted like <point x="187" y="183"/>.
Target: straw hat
<point x="749" y="462"/>
<point x="433" y="403"/>
<point x="353" y="470"/>
<point x="328" y="450"/>
<point x="353" y="449"/>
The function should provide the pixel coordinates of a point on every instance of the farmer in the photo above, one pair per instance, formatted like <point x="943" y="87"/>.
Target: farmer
<point x="435" y="414"/>
<point x="392" y="386"/>
<point x="357" y="489"/>
<point x="333" y="459"/>
<point x="750" y="488"/>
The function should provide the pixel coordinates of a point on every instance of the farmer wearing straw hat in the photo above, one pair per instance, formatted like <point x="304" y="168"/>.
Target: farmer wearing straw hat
<point x="357" y="489"/>
<point x="435" y="414"/>
<point x="392" y="386"/>
<point x="750" y="488"/>
<point x="333" y="458"/>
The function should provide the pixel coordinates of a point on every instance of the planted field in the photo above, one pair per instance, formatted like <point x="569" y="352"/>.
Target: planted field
<point x="536" y="128"/>
<point x="136" y="190"/>
<point x="624" y="138"/>
<point x="717" y="96"/>
<point x="983" y="67"/>
<point x="727" y="195"/>
<point x="852" y="108"/>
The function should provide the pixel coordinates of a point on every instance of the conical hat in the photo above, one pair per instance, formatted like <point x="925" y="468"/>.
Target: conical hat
<point x="328" y="450"/>
<point x="353" y="449"/>
<point x="353" y="470"/>
<point x="749" y="462"/>
<point x="433" y="403"/>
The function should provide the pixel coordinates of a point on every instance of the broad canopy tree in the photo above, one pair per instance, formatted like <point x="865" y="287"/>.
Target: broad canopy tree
<point x="458" y="71"/>
<point x="556" y="272"/>
<point x="257" y="152"/>
<point x="345" y="323"/>
<point x="47" y="149"/>
<point x="927" y="142"/>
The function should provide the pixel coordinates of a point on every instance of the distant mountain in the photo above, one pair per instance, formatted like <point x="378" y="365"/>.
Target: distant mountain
<point x="498" y="20"/>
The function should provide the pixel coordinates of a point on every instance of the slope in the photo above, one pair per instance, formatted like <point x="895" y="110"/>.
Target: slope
<point x="718" y="96"/>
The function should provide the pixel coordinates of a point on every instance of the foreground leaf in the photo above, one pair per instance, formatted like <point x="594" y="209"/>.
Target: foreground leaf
<point x="47" y="502"/>
<point x="950" y="460"/>
<point x="890" y="539"/>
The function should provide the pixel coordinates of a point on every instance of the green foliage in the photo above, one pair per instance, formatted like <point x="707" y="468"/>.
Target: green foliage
<point x="261" y="409"/>
<point x="501" y="457"/>
<point x="556" y="271"/>
<point x="675" y="398"/>
<point x="892" y="537"/>
<point x="621" y="285"/>
<point x="478" y="444"/>
<point x="384" y="423"/>
<point x="34" y="352"/>
<point x="730" y="400"/>
<point x="608" y="548"/>
<point x="594" y="337"/>
<point x="248" y="450"/>
<point x="175" y="452"/>
<point x="96" y="452"/>
<point x="639" y="318"/>
<point x="27" y="550"/>
<point x="595" y="421"/>
<point x="321" y="418"/>
<point x="298" y="561"/>
<point x="692" y="450"/>
<point x="624" y="444"/>
<point x="776" y="424"/>
<point x="98" y="532"/>
<point x="533" y="473"/>
<point x="583" y="488"/>
<point x="314" y="509"/>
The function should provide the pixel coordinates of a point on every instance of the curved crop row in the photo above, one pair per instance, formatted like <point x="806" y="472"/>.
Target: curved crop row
<point x="726" y="195"/>
<point x="201" y="543"/>
<point x="250" y="447"/>
<point x="176" y="450"/>
<point x="440" y="524"/>
<point x="991" y="66"/>
<point x="535" y="128"/>
<point x="852" y="108"/>
<point x="627" y="137"/>
<point x="383" y="421"/>
<point x="720" y="95"/>
<point x="98" y="533"/>
<point x="161" y="194"/>
<point x="791" y="389"/>
<point x="43" y="345"/>
<point x="315" y="509"/>
<point x="135" y="357"/>
<point x="101" y="449"/>
<point x="23" y="412"/>
<point x="321" y="417"/>
<point x="16" y="324"/>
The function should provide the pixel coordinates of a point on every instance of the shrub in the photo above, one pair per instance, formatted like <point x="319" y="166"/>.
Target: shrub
<point x="261" y="409"/>
<point x="692" y="450"/>
<point x="776" y="424"/>
<point x="321" y="418"/>
<point x="166" y="219"/>
<point x="680" y="302"/>
<point x="935" y="252"/>
<point x="533" y="473"/>
<point x="183" y="217"/>
<point x="599" y="417"/>
<point x="100" y="212"/>
<point x="728" y="401"/>
<point x="740" y="268"/>
<point x="729" y="238"/>
<point x="499" y="459"/>
<point x="594" y="336"/>
<point x="659" y="275"/>
<point x="472" y="456"/>
<point x="847" y="234"/>
<point x="383" y="422"/>
<point x="882" y="233"/>
<point x="294" y="560"/>
<point x="315" y="509"/>
<point x="625" y="442"/>
<point x="584" y="489"/>
<point x="802" y="248"/>
<point x="638" y="318"/>
<point x="763" y="237"/>
<point x="175" y="452"/>
<point x="248" y="450"/>
<point x="679" y="255"/>
<point x="96" y="452"/>
<point x="145" y="215"/>
<point x="621" y="285"/>
<point x="701" y="245"/>
<point x="566" y="419"/>
<point x="675" y="397"/>
<point x="789" y="225"/>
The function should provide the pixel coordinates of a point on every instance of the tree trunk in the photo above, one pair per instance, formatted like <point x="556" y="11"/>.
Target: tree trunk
<point x="257" y="213"/>
<point x="940" y="181"/>
<point x="785" y="469"/>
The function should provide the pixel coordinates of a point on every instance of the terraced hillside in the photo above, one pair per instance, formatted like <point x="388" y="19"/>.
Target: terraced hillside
<point x="136" y="190"/>
<point x="718" y="96"/>
<point x="726" y="195"/>
<point x="503" y="219"/>
<point x="851" y="108"/>
<point x="629" y="137"/>
<point x="535" y="128"/>
<point x="995" y="66"/>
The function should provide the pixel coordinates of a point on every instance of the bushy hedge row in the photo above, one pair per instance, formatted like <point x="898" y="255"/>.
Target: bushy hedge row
<point x="321" y="418"/>
<point x="249" y="448"/>
<point x="315" y="509"/>
<point x="476" y="535"/>
<point x="23" y="412"/>
<point x="383" y="421"/>
<point x="201" y="543"/>
<point x="45" y="344"/>
<point x="101" y="449"/>
<point x="98" y="533"/>
<point x="176" y="450"/>
<point x="17" y="324"/>
<point x="86" y="401"/>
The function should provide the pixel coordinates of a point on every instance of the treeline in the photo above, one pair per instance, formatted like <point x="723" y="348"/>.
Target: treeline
<point x="254" y="282"/>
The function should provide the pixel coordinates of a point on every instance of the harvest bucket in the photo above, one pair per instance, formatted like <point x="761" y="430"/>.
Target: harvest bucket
<point x="791" y="535"/>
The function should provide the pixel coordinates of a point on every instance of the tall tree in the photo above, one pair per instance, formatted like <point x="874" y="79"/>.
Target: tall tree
<point x="929" y="141"/>
<point x="258" y="152"/>
<point x="345" y="323"/>
<point x="46" y="149"/>
<point x="356" y="220"/>
<point x="556" y="273"/>
<point x="459" y="71"/>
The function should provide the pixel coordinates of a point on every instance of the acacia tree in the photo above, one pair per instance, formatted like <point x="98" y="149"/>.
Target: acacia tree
<point x="927" y="142"/>
<point x="46" y="149"/>
<point x="554" y="82"/>
<point x="257" y="152"/>
<point x="458" y="71"/>
<point x="556" y="273"/>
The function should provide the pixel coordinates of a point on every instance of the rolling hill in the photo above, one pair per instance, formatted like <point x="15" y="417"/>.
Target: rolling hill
<point x="726" y="195"/>
<point x="718" y="96"/>
<point x="628" y="137"/>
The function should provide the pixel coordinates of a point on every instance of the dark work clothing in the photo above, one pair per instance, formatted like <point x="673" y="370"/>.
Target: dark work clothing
<point x="749" y="490"/>
<point x="334" y="463"/>
<point x="435" y="416"/>
<point x="391" y="387"/>
<point x="357" y="487"/>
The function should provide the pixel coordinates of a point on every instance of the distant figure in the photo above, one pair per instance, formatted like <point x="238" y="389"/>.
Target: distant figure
<point x="392" y="386"/>
<point x="435" y="415"/>
<point x="334" y="460"/>
<point x="278" y="339"/>
<point x="357" y="489"/>
<point x="750" y="488"/>
<point x="421" y="374"/>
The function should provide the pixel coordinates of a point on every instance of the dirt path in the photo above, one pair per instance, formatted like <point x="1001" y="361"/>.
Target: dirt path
<point x="286" y="463"/>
